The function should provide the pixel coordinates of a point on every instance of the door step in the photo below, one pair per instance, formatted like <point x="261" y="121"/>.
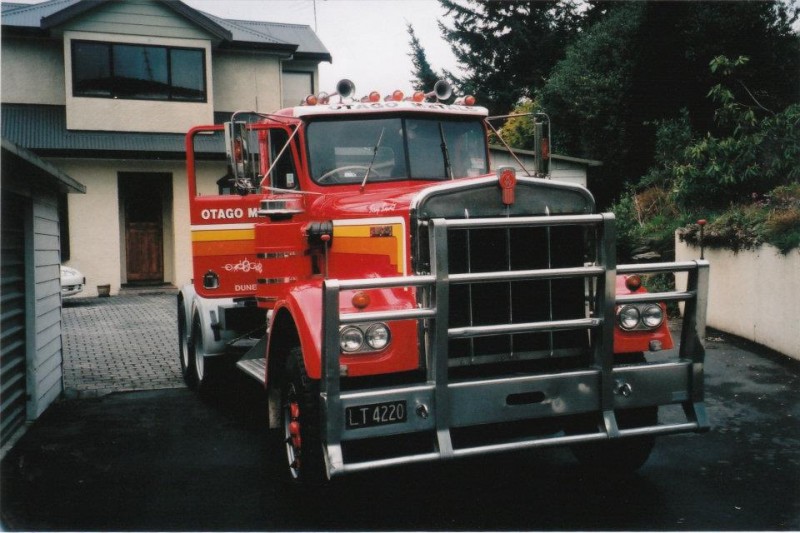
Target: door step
<point x="254" y="361"/>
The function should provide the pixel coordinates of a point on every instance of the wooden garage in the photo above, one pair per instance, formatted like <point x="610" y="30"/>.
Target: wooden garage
<point x="31" y="376"/>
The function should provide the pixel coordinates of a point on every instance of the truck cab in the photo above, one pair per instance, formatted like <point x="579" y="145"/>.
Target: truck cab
<point x="401" y="300"/>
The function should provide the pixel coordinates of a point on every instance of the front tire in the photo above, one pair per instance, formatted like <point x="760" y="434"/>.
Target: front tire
<point x="627" y="455"/>
<point x="621" y="456"/>
<point x="300" y="423"/>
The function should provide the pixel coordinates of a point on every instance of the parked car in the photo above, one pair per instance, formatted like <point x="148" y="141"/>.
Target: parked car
<point x="72" y="281"/>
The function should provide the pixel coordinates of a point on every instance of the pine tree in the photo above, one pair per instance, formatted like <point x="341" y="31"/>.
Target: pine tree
<point x="507" y="48"/>
<point x="424" y="77"/>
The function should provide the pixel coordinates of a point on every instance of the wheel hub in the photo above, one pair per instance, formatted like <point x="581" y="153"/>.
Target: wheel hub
<point x="293" y="440"/>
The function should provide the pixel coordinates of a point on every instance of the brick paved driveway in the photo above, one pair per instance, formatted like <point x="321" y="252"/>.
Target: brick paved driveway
<point x="121" y="343"/>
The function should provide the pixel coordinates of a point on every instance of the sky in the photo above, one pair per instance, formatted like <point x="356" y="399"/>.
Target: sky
<point x="366" y="38"/>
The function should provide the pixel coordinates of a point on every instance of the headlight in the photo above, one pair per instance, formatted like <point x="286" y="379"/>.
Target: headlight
<point x="351" y="339"/>
<point x="364" y="338"/>
<point x="652" y="316"/>
<point x="628" y="317"/>
<point x="377" y="336"/>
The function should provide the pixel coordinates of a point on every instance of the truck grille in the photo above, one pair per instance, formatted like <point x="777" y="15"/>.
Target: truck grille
<point x="517" y="302"/>
<point x="478" y="248"/>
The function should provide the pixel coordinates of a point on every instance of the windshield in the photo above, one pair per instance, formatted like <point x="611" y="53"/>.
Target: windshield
<point x="342" y="151"/>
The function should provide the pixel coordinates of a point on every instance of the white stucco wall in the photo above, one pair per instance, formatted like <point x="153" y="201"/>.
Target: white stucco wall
<point x="246" y="82"/>
<point x="97" y="241"/>
<point x="112" y="114"/>
<point x="754" y="294"/>
<point x="32" y="72"/>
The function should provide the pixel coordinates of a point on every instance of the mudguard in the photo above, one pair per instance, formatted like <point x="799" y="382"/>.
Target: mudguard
<point x="207" y="310"/>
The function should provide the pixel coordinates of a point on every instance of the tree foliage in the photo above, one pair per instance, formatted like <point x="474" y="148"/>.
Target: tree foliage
<point x="507" y="48"/>
<point x="745" y="178"/>
<point x="518" y="131"/>
<point x="753" y="151"/>
<point x="424" y="77"/>
<point x="643" y="62"/>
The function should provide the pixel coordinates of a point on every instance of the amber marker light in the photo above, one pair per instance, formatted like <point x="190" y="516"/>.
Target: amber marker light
<point x="361" y="300"/>
<point x="396" y="96"/>
<point x="311" y="100"/>
<point x="418" y="96"/>
<point x="633" y="282"/>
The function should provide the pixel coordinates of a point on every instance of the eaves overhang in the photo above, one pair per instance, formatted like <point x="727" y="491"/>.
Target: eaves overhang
<point x="14" y="153"/>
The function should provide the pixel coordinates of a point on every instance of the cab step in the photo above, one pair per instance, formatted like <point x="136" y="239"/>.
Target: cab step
<point x="254" y="361"/>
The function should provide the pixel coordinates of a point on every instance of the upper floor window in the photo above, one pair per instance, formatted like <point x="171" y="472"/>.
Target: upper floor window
<point x="138" y="72"/>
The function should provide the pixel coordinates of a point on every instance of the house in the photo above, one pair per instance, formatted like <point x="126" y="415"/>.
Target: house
<point x="562" y="167"/>
<point x="105" y="91"/>
<point x="30" y="291"/>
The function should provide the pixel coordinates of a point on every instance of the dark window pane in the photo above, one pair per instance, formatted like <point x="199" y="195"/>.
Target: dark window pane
<point x="91" y="67"/>
<point x="138" y="71"/>
<point x="188" y="81"/>
<point x="141" y="72"/>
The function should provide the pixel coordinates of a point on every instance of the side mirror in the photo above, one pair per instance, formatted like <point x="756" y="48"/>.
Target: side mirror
<point x="541" y="137"/>
<point x="240" y="159"/>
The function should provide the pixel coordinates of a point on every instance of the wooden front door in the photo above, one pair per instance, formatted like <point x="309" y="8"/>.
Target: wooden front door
<point x="142" y="200"/>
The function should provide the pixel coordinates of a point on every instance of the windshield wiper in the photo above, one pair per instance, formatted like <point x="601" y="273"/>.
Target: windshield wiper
<point x="448" y="169"/>
<point x="374" y="155"/>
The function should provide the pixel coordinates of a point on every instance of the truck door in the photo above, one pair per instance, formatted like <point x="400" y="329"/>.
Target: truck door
<point x="225" y="211"/>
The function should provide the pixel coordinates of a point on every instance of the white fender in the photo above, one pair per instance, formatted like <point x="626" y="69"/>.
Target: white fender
<point x="207" y="310"/>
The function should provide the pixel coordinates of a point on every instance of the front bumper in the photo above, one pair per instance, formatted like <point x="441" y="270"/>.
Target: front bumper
<point x="439" y="409"/>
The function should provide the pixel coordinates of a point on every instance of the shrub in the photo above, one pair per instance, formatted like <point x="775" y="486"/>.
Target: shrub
<point x="773" y="218"/>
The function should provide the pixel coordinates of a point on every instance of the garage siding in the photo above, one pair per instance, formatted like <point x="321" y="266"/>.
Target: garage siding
<point x="13" y="315"/>
<point x="45" y="369"/>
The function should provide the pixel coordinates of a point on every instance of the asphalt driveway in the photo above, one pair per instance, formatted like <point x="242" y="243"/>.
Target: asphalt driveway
<point x="164" y="460"/>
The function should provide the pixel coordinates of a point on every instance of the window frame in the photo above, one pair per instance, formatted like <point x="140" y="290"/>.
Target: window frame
<point x="117" y="96"/>
<point x="404" y="119"/>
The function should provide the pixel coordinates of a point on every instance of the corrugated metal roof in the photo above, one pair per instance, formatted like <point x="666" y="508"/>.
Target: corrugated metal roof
<point x="31" y="15"/>
<point x="43" y="129"/>
<point x="290" y="38"/>
<point x="306" y="40"/>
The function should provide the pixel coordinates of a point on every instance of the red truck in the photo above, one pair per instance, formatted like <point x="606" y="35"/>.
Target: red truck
<point x="401" y="301"/>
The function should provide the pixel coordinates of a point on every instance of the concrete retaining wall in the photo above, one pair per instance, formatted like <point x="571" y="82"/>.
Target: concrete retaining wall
<point x="754" y="294"/>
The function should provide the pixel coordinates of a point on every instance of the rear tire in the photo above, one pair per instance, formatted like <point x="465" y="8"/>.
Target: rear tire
<point x="301" y="449"/>
<point x="206" y="371"/>
<point x="185" y="350"/>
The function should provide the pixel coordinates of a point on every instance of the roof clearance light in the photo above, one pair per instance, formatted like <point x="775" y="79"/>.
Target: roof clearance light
<point x="418" y="96"/>
<point x="396" y="96"/>
<point x="633" y="282"/>
<point x="323" y="98"/>
<point x="310" y="100"/>
<point x="469" y="100"/>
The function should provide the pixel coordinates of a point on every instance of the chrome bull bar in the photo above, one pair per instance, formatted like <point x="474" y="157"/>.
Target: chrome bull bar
<point x="447" y="405"/>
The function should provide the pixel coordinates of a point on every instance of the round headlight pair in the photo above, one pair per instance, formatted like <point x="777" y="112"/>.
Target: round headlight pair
<point x="648" y="316"/>
<point x="369" y="338"/>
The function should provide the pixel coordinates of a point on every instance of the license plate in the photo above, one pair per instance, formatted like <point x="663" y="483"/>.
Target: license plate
<point x="376" y="414"/>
